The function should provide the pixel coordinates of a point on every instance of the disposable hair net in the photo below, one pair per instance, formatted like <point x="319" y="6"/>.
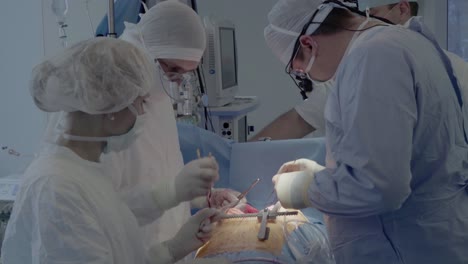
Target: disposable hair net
<point x="363" y="4"/>
<point x="97" y="76"/>
<point x="287" y="18"/>
<point x="169" y="30"/>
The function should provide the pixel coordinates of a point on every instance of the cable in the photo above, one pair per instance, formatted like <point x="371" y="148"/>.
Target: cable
<point x="207" y="111"/>
<point x="202" y="92"/>
<point x="164" y="88"/>
<point x="208" y="115"/>
<point x="89" y="18"/>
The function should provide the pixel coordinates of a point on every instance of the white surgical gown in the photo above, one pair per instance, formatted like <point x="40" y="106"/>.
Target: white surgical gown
<point x="68" y="212"/>
<point x="395" y="129"/>
<point x="153" y="158"/>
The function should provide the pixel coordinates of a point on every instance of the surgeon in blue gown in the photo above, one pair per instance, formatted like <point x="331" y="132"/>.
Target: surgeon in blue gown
<point x="394" y="188"/>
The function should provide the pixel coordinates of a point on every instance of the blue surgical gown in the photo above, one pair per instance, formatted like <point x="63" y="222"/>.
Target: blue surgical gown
<point x="395" y="130"/>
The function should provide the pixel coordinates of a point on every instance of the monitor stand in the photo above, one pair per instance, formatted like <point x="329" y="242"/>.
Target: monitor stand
<point x="230" y="121"/>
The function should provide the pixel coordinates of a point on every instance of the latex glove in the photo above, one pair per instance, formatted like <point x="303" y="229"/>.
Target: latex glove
<point x="298" y="165"/>
<point x="195" y="233"/>
<point x="292" y="187"/>
<point x="196" y="179"/>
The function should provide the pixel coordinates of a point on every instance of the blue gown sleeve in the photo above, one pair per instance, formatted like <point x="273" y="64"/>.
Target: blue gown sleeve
<point x="370" y="119"/>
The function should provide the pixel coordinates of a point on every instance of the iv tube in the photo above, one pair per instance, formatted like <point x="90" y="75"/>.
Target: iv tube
<point x="60" y="10"/>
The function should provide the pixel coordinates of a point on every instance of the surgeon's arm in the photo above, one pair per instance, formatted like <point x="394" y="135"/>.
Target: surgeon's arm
<point x="138" y="198"/>
<point x="289" y="125"/>
<point x="373" y="119"/>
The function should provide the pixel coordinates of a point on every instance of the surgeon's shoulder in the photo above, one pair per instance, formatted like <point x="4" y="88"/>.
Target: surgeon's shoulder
<point x="388" y="44"/>
<point x="51" y="175"/>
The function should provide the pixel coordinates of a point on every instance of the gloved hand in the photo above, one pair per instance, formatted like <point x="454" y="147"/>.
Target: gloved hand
<point x="196" y="179"/>
<point x="195" y="233"/>
<point x="292" y="182"/>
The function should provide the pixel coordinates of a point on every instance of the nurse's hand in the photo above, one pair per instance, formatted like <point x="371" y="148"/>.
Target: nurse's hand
<point x="194" y="234"/>
<point x="196" y="179"/>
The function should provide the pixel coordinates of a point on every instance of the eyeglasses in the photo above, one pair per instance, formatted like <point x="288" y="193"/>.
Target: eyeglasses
<point x="300" y="77"/>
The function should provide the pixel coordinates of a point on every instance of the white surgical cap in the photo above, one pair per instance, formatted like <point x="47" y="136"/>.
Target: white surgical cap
<point x="169" y="30"/>
<point x="363" y="4"/>
<point x="287" y="18"/>
<point x="97" y="76"/>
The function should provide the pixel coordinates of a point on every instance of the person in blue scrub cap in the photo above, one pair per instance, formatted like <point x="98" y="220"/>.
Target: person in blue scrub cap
<point x="394" y="188"/>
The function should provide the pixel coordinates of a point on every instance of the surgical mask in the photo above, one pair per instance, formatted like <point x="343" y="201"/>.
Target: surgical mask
<point x="326" y="85"/>
<point x="123" y="142"/>
<point x="114" y="143"/>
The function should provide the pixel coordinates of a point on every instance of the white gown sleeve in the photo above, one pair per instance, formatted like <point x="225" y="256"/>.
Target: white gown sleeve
<point x="140" y="198"/>
<point x="149" y="203"/>
<point x="370" y="121"/>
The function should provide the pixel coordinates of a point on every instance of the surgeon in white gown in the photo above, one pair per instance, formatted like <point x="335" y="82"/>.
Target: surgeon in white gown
<point x="67" y="209"/>
<point x="395" y="186"/>
<point x="172" y="35"/>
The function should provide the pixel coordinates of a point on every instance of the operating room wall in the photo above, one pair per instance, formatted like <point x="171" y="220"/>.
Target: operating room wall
<point x="260" y="72"/>
<point x="29" y="32"/>
<point x="21" y="47"/>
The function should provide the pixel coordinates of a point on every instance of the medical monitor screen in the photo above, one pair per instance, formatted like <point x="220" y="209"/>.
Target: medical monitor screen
<point x="228" y="57"/>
